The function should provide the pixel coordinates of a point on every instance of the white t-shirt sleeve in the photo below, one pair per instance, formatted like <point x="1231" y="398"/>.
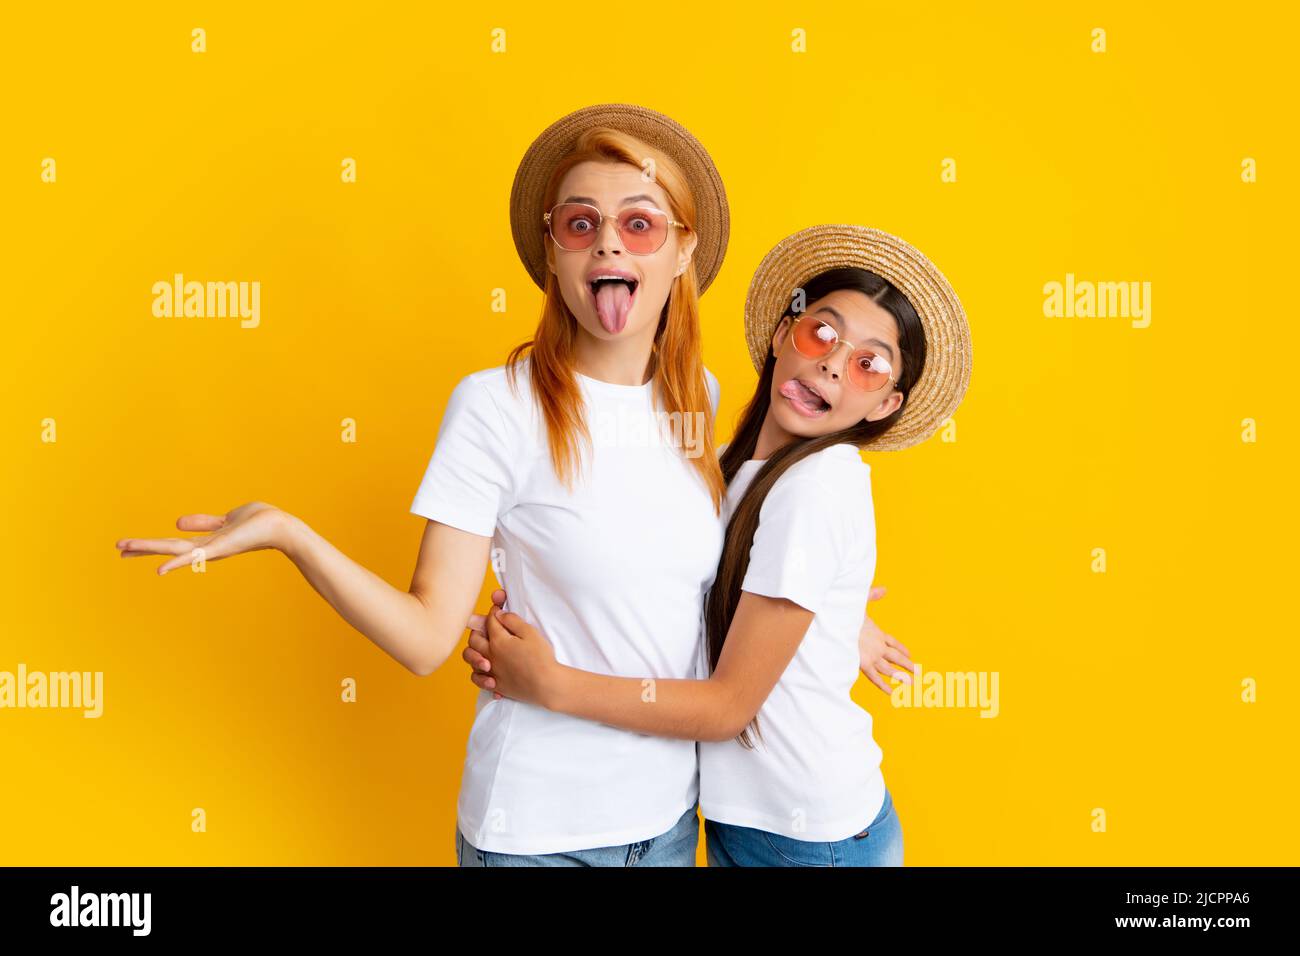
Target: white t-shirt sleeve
<point x="470" y="476"/>
<point x="802" y="541"/>
<point x="715" y="390"/>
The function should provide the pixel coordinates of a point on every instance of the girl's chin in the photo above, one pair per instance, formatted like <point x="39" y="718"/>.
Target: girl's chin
<point x="803" y="426"/>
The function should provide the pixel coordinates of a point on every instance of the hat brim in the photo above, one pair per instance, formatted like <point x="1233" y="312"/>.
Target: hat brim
<point x="798" y="258"/>
<point x="713" y="220"/>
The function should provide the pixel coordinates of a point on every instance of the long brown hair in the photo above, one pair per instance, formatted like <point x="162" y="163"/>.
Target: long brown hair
<point x="676" y="365"/>
<point x="724" y="596"/>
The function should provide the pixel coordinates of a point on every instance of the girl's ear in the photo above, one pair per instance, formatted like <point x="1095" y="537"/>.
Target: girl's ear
<point x="887" y="407"/>
<point x="779" y="333"/>
<point x="550" y="252"/>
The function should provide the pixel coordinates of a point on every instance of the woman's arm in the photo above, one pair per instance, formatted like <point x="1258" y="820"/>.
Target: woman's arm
<point x="761" y="641"/>
<point x="418" y="628"/>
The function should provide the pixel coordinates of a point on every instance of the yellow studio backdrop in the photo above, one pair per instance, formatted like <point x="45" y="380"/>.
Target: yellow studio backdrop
<point x="1107" y="524"/>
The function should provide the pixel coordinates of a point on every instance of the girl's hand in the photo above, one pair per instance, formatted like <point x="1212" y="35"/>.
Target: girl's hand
<point x="878" y="652"/>
<point x="522" y="660"/>
<point x="473" y="655"/>
<point x="255" y="526"/>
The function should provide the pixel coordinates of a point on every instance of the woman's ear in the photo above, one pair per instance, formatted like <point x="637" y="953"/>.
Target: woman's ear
<point x="685" y="252"/>
<point x="550" y="253"/>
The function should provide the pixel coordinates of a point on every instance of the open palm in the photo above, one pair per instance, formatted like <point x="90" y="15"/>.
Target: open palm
<point x="251" y="527"/>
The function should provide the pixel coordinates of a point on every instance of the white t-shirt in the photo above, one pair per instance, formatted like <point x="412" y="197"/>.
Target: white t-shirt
<point x="815" y="775"/>
<point x="614" y="573"/>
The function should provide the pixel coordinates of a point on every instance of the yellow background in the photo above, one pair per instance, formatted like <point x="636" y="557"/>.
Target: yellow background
<point x="1119" y="691"/>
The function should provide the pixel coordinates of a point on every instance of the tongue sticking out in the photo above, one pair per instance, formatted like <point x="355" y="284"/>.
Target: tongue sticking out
<point x="613" y="300"/>
<point x="804" y="397"/>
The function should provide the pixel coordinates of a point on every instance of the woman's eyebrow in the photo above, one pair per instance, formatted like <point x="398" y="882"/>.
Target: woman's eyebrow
<point x="839" y="319"/>
<point x="639" y="197"/>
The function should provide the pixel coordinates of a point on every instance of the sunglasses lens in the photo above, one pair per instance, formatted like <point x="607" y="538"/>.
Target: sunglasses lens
<point x="814" y="338"/>
<point x="573" y="225"/>
<point x="867" y="370"/>
<point x="643" y="231"/>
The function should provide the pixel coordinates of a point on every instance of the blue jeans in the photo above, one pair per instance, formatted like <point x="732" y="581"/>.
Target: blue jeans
<point x="676" y="847"/>
<point x="880" y="844"/>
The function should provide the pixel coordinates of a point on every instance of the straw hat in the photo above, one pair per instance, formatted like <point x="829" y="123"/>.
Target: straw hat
<point x="798" y="258"/>
<point x="557" y="140"/>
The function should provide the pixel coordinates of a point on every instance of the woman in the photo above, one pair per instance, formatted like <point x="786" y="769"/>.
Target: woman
<point x="620" y="216"/>
<point x="860" y="343"/>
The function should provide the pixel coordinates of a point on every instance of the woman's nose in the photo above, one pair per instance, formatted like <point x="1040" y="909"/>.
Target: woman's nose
<point x="607" y="238"/>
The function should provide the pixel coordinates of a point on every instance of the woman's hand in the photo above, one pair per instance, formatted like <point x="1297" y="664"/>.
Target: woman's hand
<point x="255" y="526"/>
<point x="878" y="651"/>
